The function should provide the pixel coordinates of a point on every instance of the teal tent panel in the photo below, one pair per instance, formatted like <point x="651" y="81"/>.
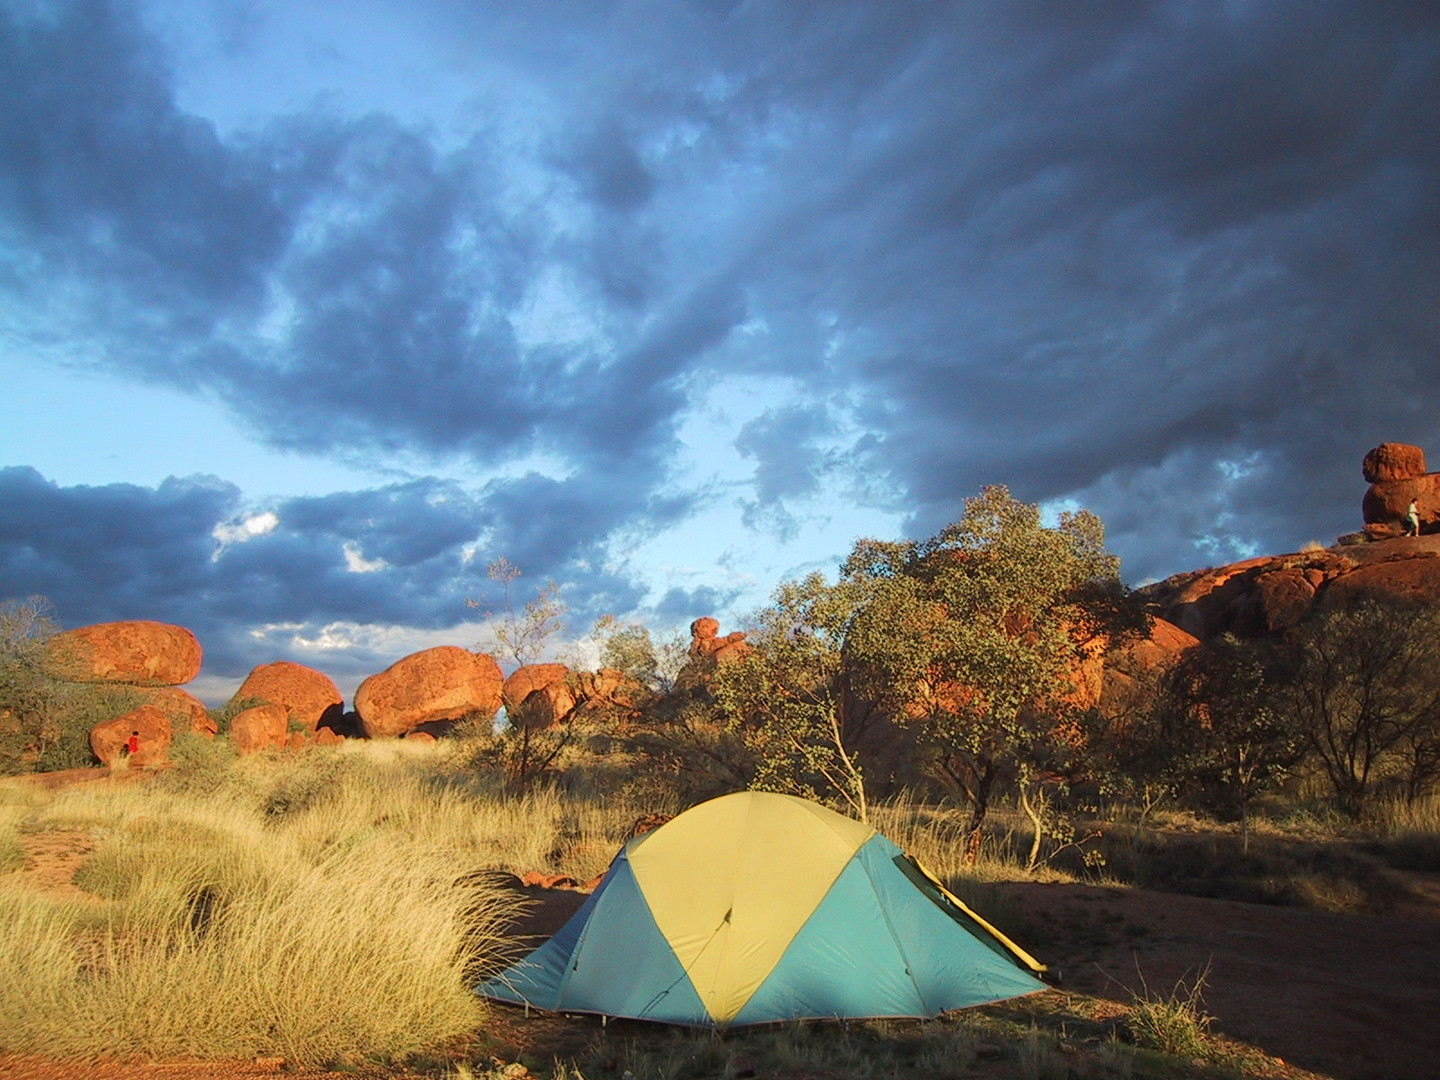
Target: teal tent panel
<point x="536" y="979"/>
<point x="842" y="962"/>
<point x="622" y="965"/>
<point x="952" y="959"/>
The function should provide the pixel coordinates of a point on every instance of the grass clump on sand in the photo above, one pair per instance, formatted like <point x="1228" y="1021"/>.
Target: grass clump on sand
<point x="1175" y="1023"/>
<point x="338" y="924"/>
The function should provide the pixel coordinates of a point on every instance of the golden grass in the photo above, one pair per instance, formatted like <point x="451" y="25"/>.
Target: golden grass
<point x="324" y="911"/>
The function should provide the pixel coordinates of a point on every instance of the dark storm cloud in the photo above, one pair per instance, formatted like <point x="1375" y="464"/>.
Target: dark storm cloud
<point x="1076" y="253"/>
<point x="1174" y="255"/>
<point x="111" y="552"/>
<point x="682" y="606"/>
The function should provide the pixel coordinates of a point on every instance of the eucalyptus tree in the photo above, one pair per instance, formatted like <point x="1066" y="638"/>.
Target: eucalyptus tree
<point x="976" y="638"/>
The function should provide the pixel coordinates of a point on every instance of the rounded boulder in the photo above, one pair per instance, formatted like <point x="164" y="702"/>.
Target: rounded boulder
<point x="259" y="728"/>
<point x="151" y="726"/>
<point x="443" y="683"/>
<point x="139" y="651"/>
<point x="186" y="711"/>
<point x="526" y="680"/>
<point x="309" y="696"/>
<point x="1393" y="461"/>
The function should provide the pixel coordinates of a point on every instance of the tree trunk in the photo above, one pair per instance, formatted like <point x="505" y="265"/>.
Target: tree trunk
<point x="979" y="804"/>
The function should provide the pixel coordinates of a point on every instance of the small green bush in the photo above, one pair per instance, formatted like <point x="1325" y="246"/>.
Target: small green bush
<point x="76" y="708"/>
<point x="199" y="766"/>
<point x="1174" y="1023"/>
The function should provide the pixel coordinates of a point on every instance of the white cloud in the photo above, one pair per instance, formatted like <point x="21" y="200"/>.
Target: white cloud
<point x="238" y="532"/>
<point x="356" y="562"/>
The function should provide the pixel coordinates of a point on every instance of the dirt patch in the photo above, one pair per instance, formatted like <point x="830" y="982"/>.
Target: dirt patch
<point x="1352" y="996"/>
<point x="51" y="860"/>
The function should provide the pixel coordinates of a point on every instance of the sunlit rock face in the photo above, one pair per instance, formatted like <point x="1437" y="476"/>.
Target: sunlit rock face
<point x="260" y="728"/>
<point x="443" y="683"/>
<point x="1274" y="594"/>
<point x="708" y="650"/>
<point x="310" y="697"/>
<point x="1397" y="477"/>
<point x="139" y="651"/>
<point x="151" y="727"/>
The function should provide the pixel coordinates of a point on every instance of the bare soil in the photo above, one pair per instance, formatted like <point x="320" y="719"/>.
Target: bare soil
<point x="1350" y="996"/>
<point x="1354" y="997"/>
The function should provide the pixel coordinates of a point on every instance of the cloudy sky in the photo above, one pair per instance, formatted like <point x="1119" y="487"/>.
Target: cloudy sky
<point x="309" y="312"/>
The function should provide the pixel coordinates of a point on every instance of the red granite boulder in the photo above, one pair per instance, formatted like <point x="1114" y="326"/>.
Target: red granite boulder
<point x="1130" y="668"/>
<point x="260" y="728"/>
<point x="151" y="726"/>
<point x="1388" y="501"/>
<point x="141" y="652"/>
<point x="708" y="650"/>
<point x="443" y="683"/>
<point x="1393" y="461"/>
<point x="309" y="696"/>
<point x="186" y="711"/>
<point x="526" y="680"/>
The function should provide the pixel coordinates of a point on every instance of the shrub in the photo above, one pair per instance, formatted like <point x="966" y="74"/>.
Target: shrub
<point x="1174" y="1023"/>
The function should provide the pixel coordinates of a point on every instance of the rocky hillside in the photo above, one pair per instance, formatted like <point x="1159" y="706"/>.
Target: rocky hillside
<point x="1272" y="594"/>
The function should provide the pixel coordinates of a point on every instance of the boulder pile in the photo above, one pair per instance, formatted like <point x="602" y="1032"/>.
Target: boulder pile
<point x="1397" y="477"/>
<point x="708" y="651"/>
<point x="285" y="704"/>
<point x="149" y="659"/>
<point x="1273" y="594"/>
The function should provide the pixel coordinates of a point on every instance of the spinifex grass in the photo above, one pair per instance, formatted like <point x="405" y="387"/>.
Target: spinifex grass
<point x="346" y="926"/>
<point x="1175" y="1023"/>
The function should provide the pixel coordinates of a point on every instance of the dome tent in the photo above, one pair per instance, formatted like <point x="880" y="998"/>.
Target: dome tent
<point x="756" y="907"/>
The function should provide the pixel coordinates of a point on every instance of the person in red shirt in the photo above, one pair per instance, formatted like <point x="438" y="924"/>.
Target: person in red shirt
<point x="132" y="744"/>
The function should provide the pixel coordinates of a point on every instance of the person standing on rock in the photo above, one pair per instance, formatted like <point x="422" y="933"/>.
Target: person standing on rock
<point x="1412" y="520"/>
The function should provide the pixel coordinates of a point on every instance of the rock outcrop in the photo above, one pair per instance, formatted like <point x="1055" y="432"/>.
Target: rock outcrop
<point x="1272" y="595"/>
<point x="526" y="680"/>
<point x="310" y="697"/>
<point x="154" y="735"/>
<point x="260" y="728"/>
<point x="1130" y="668"/>
<point x="186" y="711"/>
<point x="1397" y="477"/>
<point x="708" y="651"/>
<point x="543" y="695"/>
<point x="141" y="652"/>
<point x="443" y="683"/>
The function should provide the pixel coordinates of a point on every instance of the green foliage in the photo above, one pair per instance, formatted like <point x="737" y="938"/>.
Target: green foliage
<point x="1231" y="716"/>
<point x="971" y="636"/>
<point x="1365" y="689"/>
<point x="45" y="722"/>
<point x="74" y="709"/>
<point x="26" y="710"/>
<point x="199" y="765"/>
<point x="628" y="648"/>
<point x="786" y="697"/>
